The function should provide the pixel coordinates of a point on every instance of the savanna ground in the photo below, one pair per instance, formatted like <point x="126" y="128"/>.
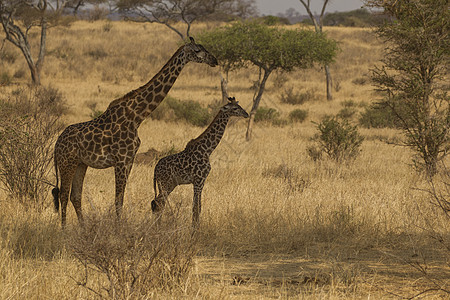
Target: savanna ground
<point x="274" y="223"/>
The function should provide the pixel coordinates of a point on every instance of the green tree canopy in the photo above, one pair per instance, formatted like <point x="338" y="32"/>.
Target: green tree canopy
<point x="270" y="48"/>
<point x="414" y="74"/>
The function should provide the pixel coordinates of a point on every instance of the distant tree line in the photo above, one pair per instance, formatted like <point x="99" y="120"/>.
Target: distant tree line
<point x="354" y="18"/>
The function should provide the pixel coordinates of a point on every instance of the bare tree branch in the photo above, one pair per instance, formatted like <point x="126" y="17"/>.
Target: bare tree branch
<point x="168" y="12"/>
<point x="18" y="17"/>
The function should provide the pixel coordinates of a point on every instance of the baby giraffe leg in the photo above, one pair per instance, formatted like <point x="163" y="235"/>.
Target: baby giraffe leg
<point x="159" y="202"/>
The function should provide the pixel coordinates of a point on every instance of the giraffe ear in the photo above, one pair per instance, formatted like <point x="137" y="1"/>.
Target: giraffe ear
<point x="232" y="100"/>
<point x="194" y="46"/>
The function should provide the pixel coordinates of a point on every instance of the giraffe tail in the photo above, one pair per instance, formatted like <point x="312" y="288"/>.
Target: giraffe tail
<point x="154" y="186"/>
<point x="153" y="204"/>
<point x="55" y="190"/>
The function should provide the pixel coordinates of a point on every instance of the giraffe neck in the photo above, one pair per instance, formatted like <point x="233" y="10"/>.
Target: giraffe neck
<point x="210" y="138"/>
<point x="139" y="103"/>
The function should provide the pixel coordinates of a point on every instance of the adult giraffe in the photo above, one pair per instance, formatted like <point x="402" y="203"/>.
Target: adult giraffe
<point x="111" y="140"/>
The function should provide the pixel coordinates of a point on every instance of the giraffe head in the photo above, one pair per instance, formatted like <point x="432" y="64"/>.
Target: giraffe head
<point x="232" y="108"/>
<point x="197" y="53"/>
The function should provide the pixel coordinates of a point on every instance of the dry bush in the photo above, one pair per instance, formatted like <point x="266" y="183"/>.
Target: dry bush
<point x="434" y="211"/>
<point x="297" y="98"/>
<point x="132" y="258"/>
<point x="29" y="122"/>
<point x="5" y="78"/>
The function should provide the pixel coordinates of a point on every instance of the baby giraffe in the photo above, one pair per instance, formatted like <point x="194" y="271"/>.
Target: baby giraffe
<point x="191" y="166"/>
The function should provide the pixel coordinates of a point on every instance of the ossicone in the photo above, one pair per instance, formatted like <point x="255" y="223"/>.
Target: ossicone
<point x="232" y="100"/>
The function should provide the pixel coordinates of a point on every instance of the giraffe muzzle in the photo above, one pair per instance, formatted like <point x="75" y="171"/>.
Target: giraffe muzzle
<point x="213" y="62"/>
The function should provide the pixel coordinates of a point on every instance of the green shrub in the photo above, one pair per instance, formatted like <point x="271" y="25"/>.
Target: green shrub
<point x="346" y="112"/>
<point x="377" y="116"/>
<point x="280" y="122"/>
<point x="298" y="115"/>
<point x="337" y="138"/>
<point x="190" y="111"/>
<point x="172" y="109"/>
<point x="5" y="79"/>
<point x="266" y="114"/>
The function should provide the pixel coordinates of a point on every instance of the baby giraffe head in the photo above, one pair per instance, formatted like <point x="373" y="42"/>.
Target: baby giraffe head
<point x="232" y="108"/>
<point x="197" y="53"/>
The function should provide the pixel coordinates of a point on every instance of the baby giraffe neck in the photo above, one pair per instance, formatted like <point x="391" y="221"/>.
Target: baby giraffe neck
<point x="211" y="137"/>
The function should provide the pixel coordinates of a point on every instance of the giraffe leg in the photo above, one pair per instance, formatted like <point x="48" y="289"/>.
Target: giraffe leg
<point x="76" y="191"/>
<point x="160" y="201"/>
<point x="67" y="174"/>
<point x="121" y="172"/>
<point x="197" y="206"/>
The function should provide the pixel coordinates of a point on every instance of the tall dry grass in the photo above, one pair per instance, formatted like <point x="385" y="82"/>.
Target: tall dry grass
<point x="277" y="222"/>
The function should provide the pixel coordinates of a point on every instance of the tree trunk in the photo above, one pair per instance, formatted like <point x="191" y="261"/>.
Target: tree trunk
<point x="318" y="25"/>
<point x="35" y="75"/>
<point x="223" y="86"/>
<point x="329" y="83"/>
<point x="256" y="101"/>
<point x="32" y="66"/>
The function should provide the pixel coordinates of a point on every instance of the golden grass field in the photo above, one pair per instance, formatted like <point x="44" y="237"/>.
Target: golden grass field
<point x="290" y="226"/>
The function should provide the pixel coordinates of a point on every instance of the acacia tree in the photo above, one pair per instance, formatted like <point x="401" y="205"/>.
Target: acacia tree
<point x="318" y="24"/>
<point x="269" y="48"/>
<point x="414" y="74"/>
<point x="168" y="12"/>
<point x="18" y="17"/>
